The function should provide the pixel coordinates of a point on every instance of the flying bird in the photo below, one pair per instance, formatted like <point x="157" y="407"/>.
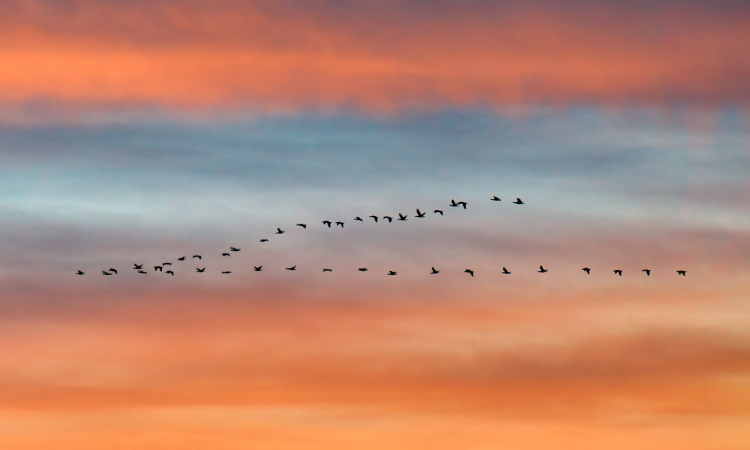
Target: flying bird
<point x="292" y="268"/>
<point x="518" y="201"/>
<point x="495" y="199"/>
<point x="303" y="225"/>
<point x="401" y="217"/>
<point x="225" y="254"/>
<point x="197" y="256"/>
<point x="264" y="240"/>
<point x="439" y="211"/>
<point x="618" y="272"/>
<point x="390" y="272"/>
<point x="159" y="268"/>
<point x="142" y="271"/>
<point x="327" y="222"/>
<point x="505" y="271"/>
<point x="376" y="218"/>
<point x="462" y="204"/>
<point x="469" y="271"/>
<point x="113" y="270"/>
<point x="419" y="214"/>
<point x="226" y="272"/>
<point x="648" y="272"/>
<point x="587" y="270"/>
<point x="257" y="268"/>
<point x="453" y="203"/>
<point x="169" y="272"/>
<point x="181" y="258"/>
<point x="327" y="270"/>
<point x="166" y="264"/>
<point x="340" y="223"/>
<point x="389" y="218"/>
<point x="234" y="249"/>
<point x="359" y="218"/>
<point x="542" y="270"/>
<point x="362" y="269"/>
<point x="279" y="231"/>
<point x="136" y="266"/>
<point x="200" y="270"/>
<point x="681" y="272"/>
<point x="104" y="272"/>
<point x="434" y="271"/>
<point x="80" y="272"/>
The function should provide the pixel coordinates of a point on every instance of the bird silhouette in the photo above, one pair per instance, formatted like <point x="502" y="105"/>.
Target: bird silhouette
<point x="389" y="218"/>
<point x="587" y="270"/>
<point x="142" y="271"/>
<point x="648" y="272"/>
<point x="618" y="272"/>
<point x="225" y="254"/>
<point x="226" y="272"/>
<point x="453" y="203"/>
<point x="292" y="268"/>
<point x="80" y="272"/>
<point x="681" y="272"/>
<point x="362" y="269"/>
<point x="340" y="223"/>
<point x="264" y="240"/>
<point x="280" y="231"/>
<point x="181" y="258"/>
<point x="462" y="204"/>
<point x="434" y="271"/>
<point x="359" y="218"/>
<point x="303" y="225"/>
<point x="390" y="272"/>
<point x="169" y="272"/>
<point x="518" y="201"/>
<point x="104" y="272"/>
<point x="401" y="217"/>
<point x="327" y="222"/>
<point x="257" y="268"/>
<point x="505" y="271"/>
<point x="495" y="199"/>
<point x="200" y="270"/>
<point x="197" y="256"/>
<point x="327" y="270"/>
<point x="438" y="211"/>
<point x="159" y="268"/>
<point x="469" y="271"/>
<point x="419" y="214"/>
<point x="542" y="270"/>
<point x="166" y="264"/>
<point x="113" y="270"/>
<point x="234" y="249"/>
<point x="376" y="218"/>
<point x="137" y="266"/>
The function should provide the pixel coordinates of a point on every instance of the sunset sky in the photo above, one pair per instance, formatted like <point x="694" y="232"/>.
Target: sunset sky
<point x="141" y="131"/>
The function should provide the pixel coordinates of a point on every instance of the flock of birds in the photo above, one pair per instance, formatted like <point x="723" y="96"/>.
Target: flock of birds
<point x="401" y="217"/>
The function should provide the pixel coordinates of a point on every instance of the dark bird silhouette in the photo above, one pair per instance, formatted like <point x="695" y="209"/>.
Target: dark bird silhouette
<point x="181" y="258"/>
<point x="234" y="249"/>
<point x="113" y="270"/>
<point x="419" y="214"/>
<point x="439" y="211"/>
<point x="518" y="201"/>
<point x="587" y="270"/>
<point x="648" y="272"/>
<point x="166" y="264"/>
<point x="495" y="199"/>
<point x="197" y="256"/>
<point x="159" y="268"/>
<point x="327" y="222"/>
<point x="469" y="271"/>
<point x="200" y="270"/>
<point x="280" y="231"/>
<point x="104" y="272"/>
<point x="505" y="271"/>
<point x="401" y="217"/>
<point x="681" y="272"/>
<point x="542" y="270"/>
<point x="142" y="271"/>
<point x="389" y="218"/>
<point x="359" y="218"/>
<point x="169" y="272"/>
<point x="376" y="218"/>
<point x="226" y="272"/>
<point x="303" y="225"/>
<point x="362" y="269"/>
<point x="340" y="223"/>
<point x="462" y="204"/>
<point x="257" y="268"/>
<point x="390" y="272"/>
<point x="618" y="272"/>
<point x="225" y="254"/>
<point x="434" y="271"/>
<point x="80" y="272"/>
<point x="264" y="240"/>
<point x="327" y="270"/>
<point x="453" y="203"/>
<point x="292" y="268"/>
<point x="136" y="266"/>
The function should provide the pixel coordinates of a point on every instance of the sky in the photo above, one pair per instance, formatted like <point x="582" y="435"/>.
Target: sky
<point x="143" y="131"/>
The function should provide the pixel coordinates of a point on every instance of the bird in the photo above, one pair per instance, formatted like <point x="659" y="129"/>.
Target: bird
<point x="439" y="211"/>
<point x="469" y="271"/>
<point x="327" y="222"/>
<point x="292" y="268"/>
<point x="495" y="199"/>
<point x="518" y="201"/>
<point x="505" y="271"/>
<point x="264" y="240"/>
<point x="200" y="270"/>
<point x="462" y="204"/>
<point x="340" y="223"/>
<point x="587" y="270"/>
<point x="181" y="258"/>
<point x="257" y="268"/>
<point x="159" y="268"/>
<point x="327" y="270"/>
<point x="453" y="203"/>
<point x="401" y="217"/>
<point x="419" y="214"/>
<point x="434" y="271"/>
<point x="376" y="218"/>
<point x="648" y="272"/>
<point x="225" y="254"/>
<point x="618" y="272"/>
<point x="234" y="249"/>
<point x="104" y="272"/>
<point x="113" y="270"/>
<point x="80" y="272"/>
<point x="681" y="272"/>
<point x="226" y="272"/>
<point x="197" y="256"/>
<point x="359" y="218"/>
<point x="169" y="272"/>
<point x="166" y="264"/>
<point x="542" y="270"/>
<point x="303" y="225"/>
<point x="280" y="231"/>
<point x="389" y="218"/>
<point x="137" y="267"/>
<point x="142" y="271"/>
<point x="390" y="272"/>
<point x="362" y="269"/>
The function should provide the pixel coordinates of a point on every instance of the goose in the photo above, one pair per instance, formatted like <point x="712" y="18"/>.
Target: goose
<point x="166" y="264"/>
<point x="505" y="271"/>
<point x="169" y="272"/>
<point x="618" y="272"/>
<point x="419" y="214"/>
<point x="181" y="258"/>
<point x="80" y="272"/>
<point x="142" y="271"/>
<point x="462" y="204"/>
<point x="434" y="271"/>
<point x="113" y="270"/>
<point x="200" y="270"/>
<point x="303" y="225"/>
<point x="401" y="217"/>
<point x="159" y="268"/>
<point x="327" y="222"/>
<point x="264" y="240"/>
<point x="359" y="218"/>
<point x="439" y="211"/>
<point x="390" y="272"/>
<point x="327" y="270"/>
<point x="587" y="270"/>
<point x="469" y="271"/>
<point x="453" y="203"/>
<point x="542" y="270"/>
<point x="340" y="223"/>
<point x="104" y="272"/>
<point x="197" y="256"/>
<point x="681" y="272"/>
<point x="137" y="266"/>
<point x="226" y="272"/>
<point x="376" y="218"/>
<point x="280" y="231"/>
<point x="257" y="268"/>
<point x="234" y="249"/>
<point x="495" y="198"/>
<point x="518" y="201"/>
<point x="648" y="272"/>
<point x="389" y="218"/>
<point x="292" y="268"/>
<point x="225" y="254"/>
<point x="362" y="269"/>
